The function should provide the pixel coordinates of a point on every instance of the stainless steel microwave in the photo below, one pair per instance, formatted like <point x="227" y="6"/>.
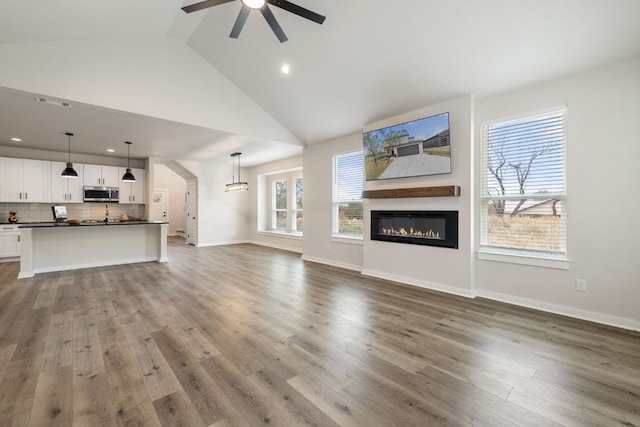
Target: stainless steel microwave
<point x="101" y="194"/>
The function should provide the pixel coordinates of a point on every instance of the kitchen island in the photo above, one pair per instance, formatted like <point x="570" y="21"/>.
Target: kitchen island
<point x="46" y="247"/>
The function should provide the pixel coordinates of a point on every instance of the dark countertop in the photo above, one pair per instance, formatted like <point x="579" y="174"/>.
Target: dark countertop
<point x="87" y="224"/>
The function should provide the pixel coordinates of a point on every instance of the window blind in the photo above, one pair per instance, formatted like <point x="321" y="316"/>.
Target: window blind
<point x="523" y="182"/>
<point x="349" y="177"/>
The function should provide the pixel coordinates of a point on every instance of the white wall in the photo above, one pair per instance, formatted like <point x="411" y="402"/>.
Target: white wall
<point x="222" y="218"/>
<point x="258" y="203"/>
<point x="166" y="179"/>
<point x="444" y="269"/>
<point x="318" y="192"/>
<point x="153" y="76"/>
<point x="603" y="233"/>
<point x="602" y="178"/>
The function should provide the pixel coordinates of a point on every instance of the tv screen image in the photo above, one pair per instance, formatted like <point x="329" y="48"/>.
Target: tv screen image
<point x="416" y="148"/>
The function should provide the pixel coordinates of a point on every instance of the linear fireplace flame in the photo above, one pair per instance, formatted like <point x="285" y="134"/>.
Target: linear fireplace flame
<point x="431" y="228"/>
<point x="429" y="234"/>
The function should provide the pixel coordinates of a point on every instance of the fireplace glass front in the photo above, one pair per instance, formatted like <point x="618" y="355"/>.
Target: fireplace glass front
<point x="431" y="228"/>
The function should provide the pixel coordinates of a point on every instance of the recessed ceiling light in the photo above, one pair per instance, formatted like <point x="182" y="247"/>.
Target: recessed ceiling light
<point x="286" y="69"/>
<point x="111" y="150"/>
<point x="16" y="139"/>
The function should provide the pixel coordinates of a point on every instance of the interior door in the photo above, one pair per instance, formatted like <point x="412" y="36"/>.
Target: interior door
<point x="192" y="203"/>
<point x="160" y="206"/>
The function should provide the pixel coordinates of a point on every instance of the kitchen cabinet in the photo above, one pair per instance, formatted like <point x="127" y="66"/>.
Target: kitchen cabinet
<point x="105" y="176"/>
<point x="9" y="241"/>
<point x="25" y="180"/>
<point x="132" y="192"/>
<point x="66" y="190"/>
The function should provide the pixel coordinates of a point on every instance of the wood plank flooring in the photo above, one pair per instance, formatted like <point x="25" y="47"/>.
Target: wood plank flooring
<point x="244" y="335"/>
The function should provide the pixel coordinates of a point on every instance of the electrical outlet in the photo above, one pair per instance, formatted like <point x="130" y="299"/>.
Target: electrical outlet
<point x="581" y="285"/>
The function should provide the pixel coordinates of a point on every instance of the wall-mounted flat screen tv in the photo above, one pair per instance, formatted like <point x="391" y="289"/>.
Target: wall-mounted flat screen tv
<point x="416" y="148"/>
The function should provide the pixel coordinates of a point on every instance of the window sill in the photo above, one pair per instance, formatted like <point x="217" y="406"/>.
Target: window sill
<point x="524" y="258"/>
<point x="350" y="240"/>
<point x="283" y="234"/>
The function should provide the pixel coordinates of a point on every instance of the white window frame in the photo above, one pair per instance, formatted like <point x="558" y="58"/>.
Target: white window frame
<point x="290" y="177"/>
<point x="294" y="205"/>
<point x="557" y="259"/>
<point x="336" y="201"/>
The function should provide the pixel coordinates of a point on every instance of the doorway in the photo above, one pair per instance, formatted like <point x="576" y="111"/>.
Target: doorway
<point x="192" y="203"/>
<point x="160" y="205"/>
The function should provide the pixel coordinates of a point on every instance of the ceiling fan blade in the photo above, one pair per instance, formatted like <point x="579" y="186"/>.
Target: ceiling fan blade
<point x="203" y="5"/>
<point x="273" y="23"/>
<point x="242" y="18"/>
<point x="298" y="10"/>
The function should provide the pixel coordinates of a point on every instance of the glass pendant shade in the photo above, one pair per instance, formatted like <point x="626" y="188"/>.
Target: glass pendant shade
<point x="128" y="176"/>
<point x="69" y="172"/>
<point x="236" y="185"/>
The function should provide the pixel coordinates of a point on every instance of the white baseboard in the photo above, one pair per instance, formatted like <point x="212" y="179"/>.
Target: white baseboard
<point x="275" y="246"/>
<point x="221" y="243"/>
<point x="605" y="319"/>
<point x="87" y="265"/>
<point x="332" y="263"/>
<point x="419" y="283"/>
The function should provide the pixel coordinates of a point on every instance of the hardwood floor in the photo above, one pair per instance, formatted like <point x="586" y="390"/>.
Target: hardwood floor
<point x="245" y="335"/>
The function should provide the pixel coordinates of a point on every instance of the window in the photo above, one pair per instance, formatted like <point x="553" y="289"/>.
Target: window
<point x="285" y="201"/>
<point x="279" y="203"/>
<point x="523" y="184"/>
<point x="347" y="194"/>
<point x="297" y="210"/>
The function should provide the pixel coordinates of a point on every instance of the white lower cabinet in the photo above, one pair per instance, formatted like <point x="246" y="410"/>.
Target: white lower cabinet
<point x="9" y="241"/>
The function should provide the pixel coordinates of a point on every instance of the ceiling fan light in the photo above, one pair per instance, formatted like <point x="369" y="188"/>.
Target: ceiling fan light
<point x="254" y="4"/>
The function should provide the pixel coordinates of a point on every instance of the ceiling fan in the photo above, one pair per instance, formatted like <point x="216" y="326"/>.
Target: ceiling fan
<point x="263" y="7"/>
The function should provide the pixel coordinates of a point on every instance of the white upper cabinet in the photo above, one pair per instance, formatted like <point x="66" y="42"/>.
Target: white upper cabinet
<point x="105" y="176"/>
<point x="24" y="180"/>
<point x="66" y="190"/>
<point x="132" y="192"/>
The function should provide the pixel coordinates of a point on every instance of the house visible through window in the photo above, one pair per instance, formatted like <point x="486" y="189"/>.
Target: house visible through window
<point x="347" y="194"/>
<point x="523" y="183"/>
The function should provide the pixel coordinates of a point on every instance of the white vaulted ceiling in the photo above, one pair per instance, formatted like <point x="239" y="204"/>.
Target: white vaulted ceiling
<point x="180" y="88"/>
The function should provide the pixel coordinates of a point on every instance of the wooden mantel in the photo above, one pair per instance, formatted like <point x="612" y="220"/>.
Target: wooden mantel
<point x="402" y="193"/>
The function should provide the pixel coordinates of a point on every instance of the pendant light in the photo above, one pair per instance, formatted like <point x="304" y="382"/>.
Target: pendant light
<point x="69" y="172"/>
<point x="237" y="185"/>
<point x="128" y="176"/>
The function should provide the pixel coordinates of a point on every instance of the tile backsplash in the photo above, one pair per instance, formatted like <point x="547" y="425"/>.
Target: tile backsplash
<point x="39" y="212"/>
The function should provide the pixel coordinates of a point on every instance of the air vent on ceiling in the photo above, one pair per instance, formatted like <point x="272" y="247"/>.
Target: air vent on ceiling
<point x="53" y="102"/>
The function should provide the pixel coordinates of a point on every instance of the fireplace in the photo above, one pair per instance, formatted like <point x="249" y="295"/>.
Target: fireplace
<point x="431" y="228"/>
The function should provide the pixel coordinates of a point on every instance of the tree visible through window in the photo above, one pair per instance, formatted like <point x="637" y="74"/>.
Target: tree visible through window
<point x="297" y="211"/>
<point x="279" y="220"/>
<point x="285" y="202"/>
<point x="523" y="183"/>
<point x="347" y="194"/>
